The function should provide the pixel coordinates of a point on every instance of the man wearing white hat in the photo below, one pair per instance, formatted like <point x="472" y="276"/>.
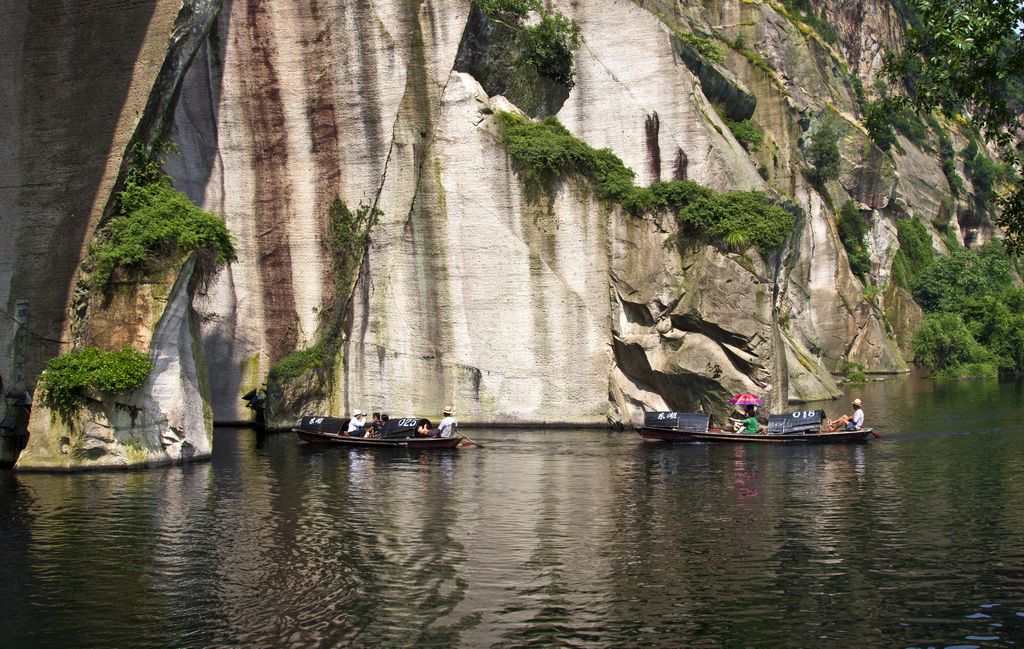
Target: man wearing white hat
<point x="849" y="422"/>
<point x="355" y="425"/>
<point x="448" y="425"/>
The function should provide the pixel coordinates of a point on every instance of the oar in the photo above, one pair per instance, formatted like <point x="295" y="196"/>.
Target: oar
<point x="468" y="441"/>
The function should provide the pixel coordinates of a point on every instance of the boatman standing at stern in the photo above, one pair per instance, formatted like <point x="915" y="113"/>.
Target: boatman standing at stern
<point x="448" y="425"/>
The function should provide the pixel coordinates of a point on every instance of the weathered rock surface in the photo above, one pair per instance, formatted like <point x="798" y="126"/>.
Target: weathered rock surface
<point x="490" y="52"/>
<point x="717" y="83"/>
<point x="514" y="306"/>
<point x="166" y="420"/>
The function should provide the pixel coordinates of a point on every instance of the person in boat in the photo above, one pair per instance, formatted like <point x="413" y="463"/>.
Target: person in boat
<point x="375" y="426"/>
<point x="357" y="424"/>
<point x="748" y="425"/>
<point x="849" y="422"/>
<point x="448" y="425"/>
<point x="424" y="429"/>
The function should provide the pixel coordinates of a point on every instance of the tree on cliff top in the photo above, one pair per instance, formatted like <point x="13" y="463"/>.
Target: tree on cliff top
<point x="969" y="56"/>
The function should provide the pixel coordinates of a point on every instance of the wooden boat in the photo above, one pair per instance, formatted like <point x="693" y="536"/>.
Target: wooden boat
<point x="399" y="433"/>
<point x="803" y="427"/>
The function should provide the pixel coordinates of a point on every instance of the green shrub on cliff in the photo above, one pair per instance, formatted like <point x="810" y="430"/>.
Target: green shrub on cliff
<point x="852" y="230"/>
<point x="738" y="219"/>
<point x="155" y="221"/>
<point x="823" y="153"/>
<point x="544" y="151"/>
<point x="548" y="41"/>
<point x="68" y="375"/>
<point x="350" y="236"/>
<point x="915" y="253"/>
<point x="747" y="133"/>
<point x="704" y="46"/>
<point x="299" y="362"/>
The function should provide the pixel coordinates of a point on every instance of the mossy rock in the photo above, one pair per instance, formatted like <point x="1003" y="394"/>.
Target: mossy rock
<point x="495" y="55"/>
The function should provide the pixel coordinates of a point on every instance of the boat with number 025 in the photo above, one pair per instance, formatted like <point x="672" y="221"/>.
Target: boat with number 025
<point x="802" y="427"/>
<point x="397" y="433"/>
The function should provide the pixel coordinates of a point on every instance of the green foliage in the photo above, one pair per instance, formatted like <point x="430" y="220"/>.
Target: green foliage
<point x="969" y="57"/>
<point x="946" y="284"/>
<point x="739" y="218"/>
<point x="872" y="291"/>
<point x="155" y="221"/>
<point x="915" y="253"/>
<point x="944" y="342"/>
<point x="852" y="232"/>
<point x="983" y="173"/>
<point x="747" y="133"/>
<point x="978" y="290"/>
<point x="66" y="376"/>
<point x="876" y="117"/>
<point x="986" y="370"/>
<point x="909" y="123"/>
<point x="823" y="153"/>
<point x="740" y="45"/>
<point x="349" y="238"/>
<point x="853" y="372"/>
<point x="803" y="10"/>
<point x="299" y="362"/>
<point x="350" y="235"/>
<point x="549" y="41"/>
<point x="507" y="11"/>
<point x="948" y="156"/>
<point x="704" y="46"/>
<point x="997" y="322"/>
<point x="545" y="150"/>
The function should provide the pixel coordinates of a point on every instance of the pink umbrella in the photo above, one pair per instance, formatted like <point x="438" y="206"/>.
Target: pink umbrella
<point x="746" y="400"/>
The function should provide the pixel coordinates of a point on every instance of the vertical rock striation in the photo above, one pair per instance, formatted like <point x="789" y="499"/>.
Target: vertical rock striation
<point x="475" y="289"/>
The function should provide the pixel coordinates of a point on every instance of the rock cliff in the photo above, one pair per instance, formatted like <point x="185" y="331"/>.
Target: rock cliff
<point x="475" y="289"/>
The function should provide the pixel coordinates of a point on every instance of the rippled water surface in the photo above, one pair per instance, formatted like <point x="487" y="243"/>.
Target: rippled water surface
<point x="543" y="538"/>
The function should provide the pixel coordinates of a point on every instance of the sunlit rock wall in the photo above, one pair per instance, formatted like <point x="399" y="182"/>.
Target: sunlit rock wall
<point x="476" y="290"/>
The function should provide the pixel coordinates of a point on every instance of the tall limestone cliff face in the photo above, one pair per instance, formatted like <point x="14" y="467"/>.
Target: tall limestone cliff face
<point x="517" y="305"/>
<point x="74" y="80"/>
<point x="69" y="141"/>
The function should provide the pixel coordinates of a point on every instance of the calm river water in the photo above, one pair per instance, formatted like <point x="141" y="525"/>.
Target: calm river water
<point x="543" y="538"/>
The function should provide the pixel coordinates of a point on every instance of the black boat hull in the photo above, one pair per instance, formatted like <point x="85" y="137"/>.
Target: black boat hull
<point x="838" y="437"/>
<point x="333" y="439"/>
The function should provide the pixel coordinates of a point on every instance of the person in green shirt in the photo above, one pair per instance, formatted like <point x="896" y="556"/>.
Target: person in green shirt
<point x="748" y="425"/>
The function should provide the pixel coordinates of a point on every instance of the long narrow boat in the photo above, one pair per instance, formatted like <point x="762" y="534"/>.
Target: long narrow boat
<point x="399" y="433"/>
<point x="792" y="428"/>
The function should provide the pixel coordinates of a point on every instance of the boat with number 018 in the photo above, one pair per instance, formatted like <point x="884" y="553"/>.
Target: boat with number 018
<point x="397" y="433"/>
<point x="803" y="427"/>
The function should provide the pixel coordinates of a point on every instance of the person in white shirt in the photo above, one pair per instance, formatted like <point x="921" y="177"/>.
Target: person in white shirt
<point x="448" y="425"/>
<point x="356" y="423"/>
<point x="849" y="422"/>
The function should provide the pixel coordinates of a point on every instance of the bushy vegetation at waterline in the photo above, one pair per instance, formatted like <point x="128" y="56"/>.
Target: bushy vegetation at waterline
<point x="974" y="322"/>
<point x="69" y="375"/>
<point x="350" y="236"/>
<point x="548" y="42"/>
<point x="154" y="221"/>
<point x="544" y="151"/>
